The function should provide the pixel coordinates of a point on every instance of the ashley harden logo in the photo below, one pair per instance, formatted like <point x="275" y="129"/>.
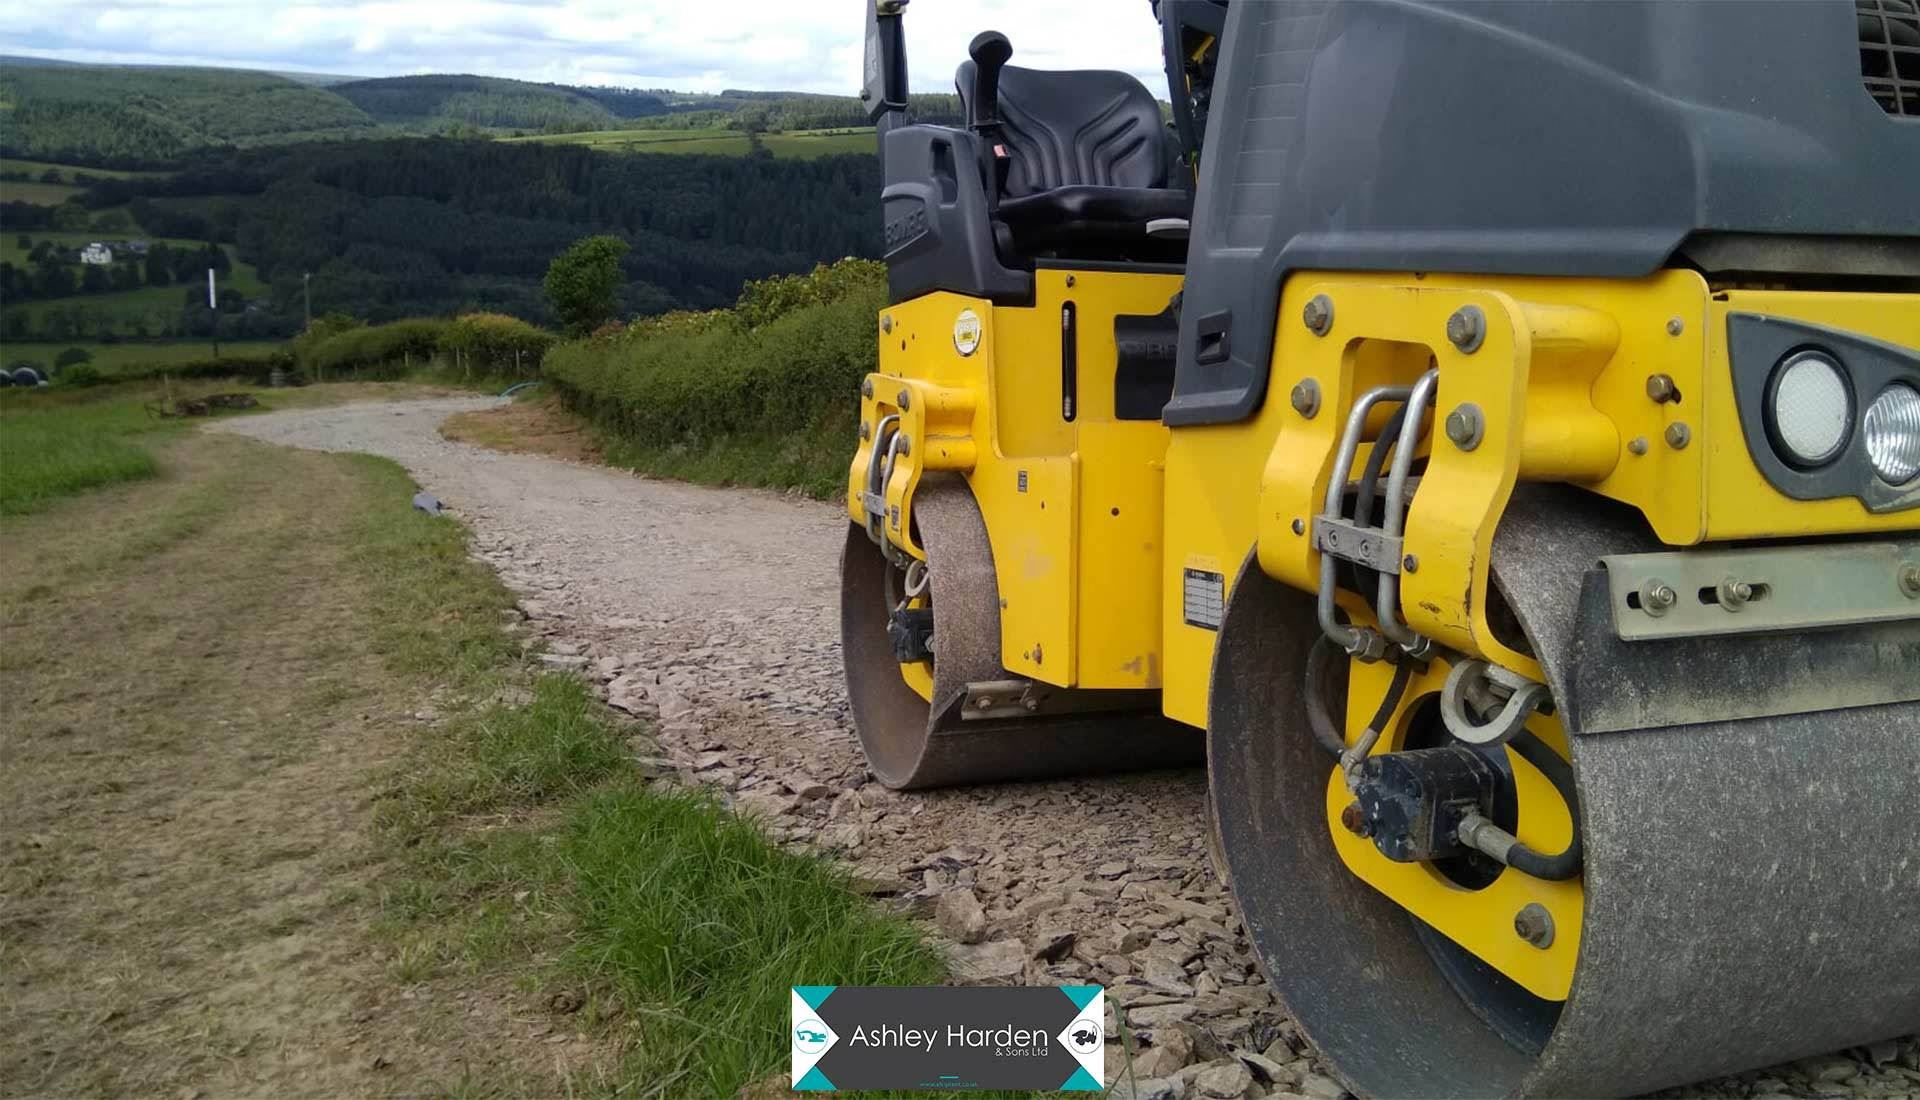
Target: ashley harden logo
<point x="849" y="1038"/>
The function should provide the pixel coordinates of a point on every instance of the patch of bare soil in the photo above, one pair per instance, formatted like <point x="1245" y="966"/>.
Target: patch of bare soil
<point x="193" y="739"/>
<point x="537" y="426"/>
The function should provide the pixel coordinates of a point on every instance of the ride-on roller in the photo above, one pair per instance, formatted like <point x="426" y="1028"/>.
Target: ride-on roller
<point x="1497" y="426"/>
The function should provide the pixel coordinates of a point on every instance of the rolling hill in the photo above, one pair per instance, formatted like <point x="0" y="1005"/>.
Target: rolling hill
<point x="136" y="116"/>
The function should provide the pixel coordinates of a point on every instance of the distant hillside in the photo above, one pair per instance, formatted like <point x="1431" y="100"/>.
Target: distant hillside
<point x="133" y="116"/>
<point x="493" y="102"/>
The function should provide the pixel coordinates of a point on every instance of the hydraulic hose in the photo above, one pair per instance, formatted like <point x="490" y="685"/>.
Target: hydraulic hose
<point x="1477" y="832"/>
<point x="1321" y="663"/>
<point x="1369" y="489"/>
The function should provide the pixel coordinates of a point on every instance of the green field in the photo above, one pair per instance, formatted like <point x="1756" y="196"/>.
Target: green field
<point x="37" y="167"/>
<point x="108" y="358"/>
<point x="40" y="194"/>
<point x="803" y="144"/>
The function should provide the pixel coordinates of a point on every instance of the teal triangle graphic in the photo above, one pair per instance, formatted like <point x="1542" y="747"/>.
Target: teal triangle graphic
<point x="815" y="1081"/>
<point x="1081" y="995"/>
<point x="813" y="995"/>
<point x="1081" y="1081"/>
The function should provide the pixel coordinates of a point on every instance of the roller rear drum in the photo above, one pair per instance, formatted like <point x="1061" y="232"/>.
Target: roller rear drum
<point x="913" y="743"/>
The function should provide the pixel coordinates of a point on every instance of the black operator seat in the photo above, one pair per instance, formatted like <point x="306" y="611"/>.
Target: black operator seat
<point x="1085" y="173"/>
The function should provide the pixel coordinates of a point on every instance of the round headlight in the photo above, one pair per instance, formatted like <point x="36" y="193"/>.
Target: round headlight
<point x="1892" y="427"/>
<point x="1810" y="407"/>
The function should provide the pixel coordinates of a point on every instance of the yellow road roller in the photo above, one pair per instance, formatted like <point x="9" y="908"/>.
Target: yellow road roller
<point x="1489" y="434"/>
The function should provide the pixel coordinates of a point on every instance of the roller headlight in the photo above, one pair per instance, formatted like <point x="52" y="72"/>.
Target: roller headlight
<point x="1892" y="426"/>
<point x="1810" y="408"/>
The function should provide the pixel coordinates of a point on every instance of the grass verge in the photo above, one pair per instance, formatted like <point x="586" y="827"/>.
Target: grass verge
<point x="526" y="826"/>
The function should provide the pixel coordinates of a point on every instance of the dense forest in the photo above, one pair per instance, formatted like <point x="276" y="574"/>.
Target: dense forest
<point x="491" y="102"/>
<point x="404" y="227"/>
<point x="142" y="116"/>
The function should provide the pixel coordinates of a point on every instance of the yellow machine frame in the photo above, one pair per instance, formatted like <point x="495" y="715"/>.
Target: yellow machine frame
<point x="1622" y="387"/>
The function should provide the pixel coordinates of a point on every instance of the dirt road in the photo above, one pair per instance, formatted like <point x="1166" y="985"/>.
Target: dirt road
<point x="715" y="610"/>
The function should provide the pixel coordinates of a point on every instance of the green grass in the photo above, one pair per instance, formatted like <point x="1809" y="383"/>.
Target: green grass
<point x="532" y="844"/>
<point x="40" y="194"/>
<point x="813" y="461"/>
<point x="36" y="167"/>
<point x="50" y="450"/>
<point x="800" y="143"/>
<point x="111" y="358"/>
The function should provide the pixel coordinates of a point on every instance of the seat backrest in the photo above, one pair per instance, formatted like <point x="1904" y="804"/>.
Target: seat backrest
<point x="1089" y="126"/>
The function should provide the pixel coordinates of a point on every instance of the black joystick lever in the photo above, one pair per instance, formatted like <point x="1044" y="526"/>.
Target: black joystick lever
<point x="990" y="51"/>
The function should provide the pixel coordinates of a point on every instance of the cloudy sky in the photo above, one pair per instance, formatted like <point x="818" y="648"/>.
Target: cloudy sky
<point x="688" y="45"/>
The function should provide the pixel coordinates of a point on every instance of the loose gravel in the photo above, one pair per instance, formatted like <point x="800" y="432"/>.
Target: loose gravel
<point x="714" y="612"/>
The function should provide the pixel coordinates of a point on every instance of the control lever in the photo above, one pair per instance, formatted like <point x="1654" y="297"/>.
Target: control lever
<point x="990" y="51"/>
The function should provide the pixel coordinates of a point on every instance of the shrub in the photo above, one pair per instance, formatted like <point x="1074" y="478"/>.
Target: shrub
<point x="777" y="393"/>
<point x="71" y="356"/>
<point x="82" y="374"/>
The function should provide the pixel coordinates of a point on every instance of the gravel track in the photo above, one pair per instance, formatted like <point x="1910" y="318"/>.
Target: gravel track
<point x="714" y="611"/>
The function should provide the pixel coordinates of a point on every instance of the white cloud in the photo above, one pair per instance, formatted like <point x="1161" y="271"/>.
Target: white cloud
<point x="794" y="45"/>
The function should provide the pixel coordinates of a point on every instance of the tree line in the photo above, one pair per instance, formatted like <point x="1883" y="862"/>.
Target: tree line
<point x="408" y="227"/>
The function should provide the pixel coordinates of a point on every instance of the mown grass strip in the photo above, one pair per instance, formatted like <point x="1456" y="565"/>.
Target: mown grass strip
<point x="50" y="451"/>
<point x="531" y="843"/>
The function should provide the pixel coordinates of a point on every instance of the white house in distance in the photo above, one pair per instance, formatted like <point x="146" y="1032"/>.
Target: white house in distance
<point x="96" y="253"/>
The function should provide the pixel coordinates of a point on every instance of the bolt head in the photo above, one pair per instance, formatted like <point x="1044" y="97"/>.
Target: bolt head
<point x="886" y="322"/>
<point x="1070" y="280"/>
<point x="1465" y="426"/>
<point x="1410" y="564"/>
<point x="866" y="430"/>
<point x="1675" y="326"/>
<point x="1467" y="328"/>
<point x="1661" y="595"/>
<point x="1534" y="924"/>
<point x="1317" y="314"/>
<point x="1660" y="388"/>
<point x="904" y="399"/>
<point x="866" y="388"/>
<point x="1910" y="580"/>
<point x="1637" y="445"/>
<point x="1679" y="435"/>
<point x="1299" y="526"/>
<point x="1306" y="398"/>
<point x="1355" y="819"/>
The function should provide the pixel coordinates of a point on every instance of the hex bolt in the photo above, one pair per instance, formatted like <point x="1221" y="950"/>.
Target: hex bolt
<point x="866" y="388"/>
<point x="886" y="322"/>
<point x="1410" y="563"/>
<point x="904" y="400"/>
<point x="1306" y="398"/>
<point x="984" y="702"/>
<point x="1355" y="819"/>
<point x="1031" y="705"/>
<point x="1910" y="579"/>
<point x="1535" y="925"/>
<point x="1466" y="426"/>
<point x="866" y="430"/>
<point x="1467" y="328"/>
<point x="1679" y="435"/>
<point x="906" y="444"/>
<point x="1660" y="389"/>
<point x="1734" y="594"/>
<point x="1675" y="326"/>
<point x="1657" y="596"/>
<point x="1637" y="445"/>
<point x="1317" y="314"/>
<point x="1299" y="526"/>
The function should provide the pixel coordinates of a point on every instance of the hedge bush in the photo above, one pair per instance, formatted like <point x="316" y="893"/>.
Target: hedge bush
<point x="490" y="345"/>
<point x="764" y="394"/>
